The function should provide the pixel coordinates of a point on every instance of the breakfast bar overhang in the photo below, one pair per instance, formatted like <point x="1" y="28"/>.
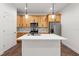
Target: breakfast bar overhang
<point x="41" y="45"/>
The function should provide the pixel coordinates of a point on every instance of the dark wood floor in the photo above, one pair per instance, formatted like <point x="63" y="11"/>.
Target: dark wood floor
<point x="16" y="51"/>
<point x="65" y="51"/>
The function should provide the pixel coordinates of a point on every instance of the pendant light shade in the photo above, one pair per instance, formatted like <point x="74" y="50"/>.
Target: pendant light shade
<point x="53" y="16"/>
<point x="53" y="13"/>
<point x="26" y="15"/>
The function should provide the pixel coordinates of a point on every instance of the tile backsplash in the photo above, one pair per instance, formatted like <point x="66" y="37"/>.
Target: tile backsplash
<point x="28" y="29"/>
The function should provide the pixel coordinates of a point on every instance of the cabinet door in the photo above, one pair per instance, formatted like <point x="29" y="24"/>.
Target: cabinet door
<point x="50" y="18"/>
<point x="24" y="22"/>
<point x="36" y="19"/>
<point x="58" y="18"/>
<point x="21" y="21"/>
<point x="32" y="19"/>
<point x="18" y="21"/>
<point x="39" y="21"/>
<point x="44" y="21"/>
<point x="28" y="21"/>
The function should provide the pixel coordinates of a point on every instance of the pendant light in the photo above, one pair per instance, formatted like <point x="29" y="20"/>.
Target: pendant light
<point x="53" y="13"/>
<point x="26" y="15"/>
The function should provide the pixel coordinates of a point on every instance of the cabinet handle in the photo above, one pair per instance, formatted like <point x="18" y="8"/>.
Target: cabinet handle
<point x="19" y="24"/>
<point x="22" y="24"/>
<point x="42" y="25"/>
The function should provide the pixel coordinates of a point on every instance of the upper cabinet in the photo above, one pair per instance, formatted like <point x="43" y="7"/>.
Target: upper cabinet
<point x="57" y="18"/>
<point x="19" y="21"/>
<point x="24" y="22"/>
<point x="41" y="20"/>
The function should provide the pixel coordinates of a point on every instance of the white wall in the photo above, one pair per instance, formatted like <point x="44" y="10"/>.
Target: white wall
<point x="70" y="26"/>
<point x="7" y="27"/>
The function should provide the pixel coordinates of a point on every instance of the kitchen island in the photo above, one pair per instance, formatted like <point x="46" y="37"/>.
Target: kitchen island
<point x="41" y="45"/>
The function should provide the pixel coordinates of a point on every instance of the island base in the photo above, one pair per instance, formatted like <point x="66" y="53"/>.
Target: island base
<point x="41" y="48"/>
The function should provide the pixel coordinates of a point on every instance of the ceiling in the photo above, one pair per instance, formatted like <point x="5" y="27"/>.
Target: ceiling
<point x="39" y="8"/>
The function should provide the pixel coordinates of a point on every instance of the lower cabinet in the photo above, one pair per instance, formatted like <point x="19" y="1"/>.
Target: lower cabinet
<point x="20" y="34"/>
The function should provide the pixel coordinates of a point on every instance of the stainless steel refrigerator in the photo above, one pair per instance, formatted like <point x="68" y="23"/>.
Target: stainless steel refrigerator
<point x="55" y="28"/>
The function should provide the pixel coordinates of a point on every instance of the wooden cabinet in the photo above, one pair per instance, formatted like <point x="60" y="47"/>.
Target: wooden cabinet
<point x="57" y="18"/>
<point x="26" y="22"/>
<point x="19" y="21"/>
<point x="50" y="18"/>
<point x="23" y="22"/>
<point x="43" y="21"/>
<point x="19" y="34"/>
<point x="34" y="19"/>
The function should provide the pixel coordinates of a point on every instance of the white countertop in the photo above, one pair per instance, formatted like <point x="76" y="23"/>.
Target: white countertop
<point x="42" y="37"/>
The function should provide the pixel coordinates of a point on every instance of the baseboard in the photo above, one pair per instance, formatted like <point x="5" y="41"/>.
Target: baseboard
<point x="71" y="48"/>
<point x="1" y="52"/>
